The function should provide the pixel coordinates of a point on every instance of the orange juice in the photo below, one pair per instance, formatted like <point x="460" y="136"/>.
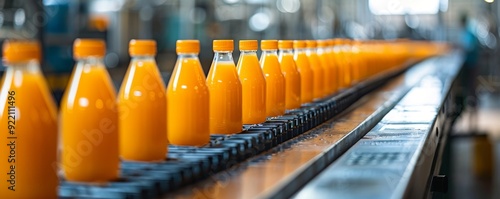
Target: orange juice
<point x="225" y="91"/>
<point x="306" y="74"/>
<point x="291" y="74"/>
<point x="89" y="118"/>
<point x="188" y="98"/>
<point x="29" y="138"/>
<point x="275" y="82"/>
<point x="329" y="83"/>
<point x="253" y="84"/>
<point x="317" y="68"/>
<point x="142" y="106"/>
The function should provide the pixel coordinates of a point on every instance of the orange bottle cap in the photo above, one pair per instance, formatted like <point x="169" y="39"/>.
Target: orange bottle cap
<point x="297" y="44"/>
<point x="20" y="51"/>
<point x="223" y="45"/>
<point x="311" y="43"/>
<point x="187" y="46"/>
<point x="285" y="44"/>
<point x="249" y="44"/>
<point x="337" y="41"/>
<point x="345" y="41"/>
<point x="322" y="43"/>
<point x="137" y="47"/>
<point x="89" y="47"/>
<point x="330" y="42"/>
<point x="269" y="44"/>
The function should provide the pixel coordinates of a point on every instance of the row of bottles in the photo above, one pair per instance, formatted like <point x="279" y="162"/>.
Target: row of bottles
<point x="97" y="127"/>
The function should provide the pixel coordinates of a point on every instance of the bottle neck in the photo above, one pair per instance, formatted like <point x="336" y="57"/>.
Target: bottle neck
<point x="286" y="51"/>
<point x="311" y="50"/>
<point x="25" y="66"/>
<point x="248" y="52"/>
<point x="299" y="50"/>
<point x="336" y="48"/>
<point x="321" y="50"/>
<point x="143" y="58"/>
<point x="269" y="52"/>
<point x="347" y="48"/>
<point x="91" y="61"/>
<point x="223" y="56"/>
<point x="187" y="56"/>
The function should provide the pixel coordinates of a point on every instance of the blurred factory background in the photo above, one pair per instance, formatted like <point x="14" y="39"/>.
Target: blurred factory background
<point x="56" y="23"/>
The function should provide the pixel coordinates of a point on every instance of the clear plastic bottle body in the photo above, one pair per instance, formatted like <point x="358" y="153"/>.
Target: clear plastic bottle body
<point x="225" y="95"/>
<point x="142" y="107"/>
<point x="253" y="85"/>
<point x="31" y="147"/>
<point x="306" y="75"/>
<point x="188" y="103"/>
<point x="275" y="83"/>
<point x="89" y="124"/>
<point x="292" y="79"/>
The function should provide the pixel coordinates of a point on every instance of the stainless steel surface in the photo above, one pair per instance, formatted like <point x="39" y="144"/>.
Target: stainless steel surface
<point x="396" y="159"/>
<point x="283" y="170"/>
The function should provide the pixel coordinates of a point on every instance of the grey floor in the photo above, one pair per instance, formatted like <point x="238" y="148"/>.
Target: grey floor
<point x="474" y="162"/>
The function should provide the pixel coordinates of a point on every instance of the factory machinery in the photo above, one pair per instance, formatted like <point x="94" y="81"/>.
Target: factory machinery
<point x="382" y="138"/>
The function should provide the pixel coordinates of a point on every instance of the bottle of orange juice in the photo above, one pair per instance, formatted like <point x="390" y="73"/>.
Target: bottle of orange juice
<point x="345" y="78"/>
<point x="275" y="82"/>
<point x="335" y="63"/>
<point x="89" y="118"/>
<point x="188" y="98"/>
<point x="358" y="62"/>
<point x="342" y="57"/>
<point x="142" y="106"/>
<point x="306" y="74"/>
<point x="29" y="137"/>
<point x="291" y="74"/>
<point x="317" y="68"/>
<point x="253" y="84"/>
<point x="225" y="91"/>
<point x="329" y="83"/>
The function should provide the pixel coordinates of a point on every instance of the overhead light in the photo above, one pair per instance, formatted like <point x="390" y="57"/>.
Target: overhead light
<point x="288" y="6"/>
<point x="231" y="1"/>
<point x="489" y="1"/>
<point x="259" y="21"/>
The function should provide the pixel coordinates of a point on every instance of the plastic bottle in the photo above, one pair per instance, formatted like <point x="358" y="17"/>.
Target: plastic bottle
<point x="329" y="80"/>
<point x="334" y="61"/>
<point x="317" y="68"/>
<point x="225" y="91"/>
<point x="253" y="83"/>
<point x="142" y="106"/>
<point x="29" y="137"/>
<point x="89" y="118"/>
<point x="304" y="68"/>
<point x="344" y="71"/>
<point x="341" y="56"/>
<point x="275" y="82"/>
<point x="291" y="74"/>
<point x="188" y="98"/>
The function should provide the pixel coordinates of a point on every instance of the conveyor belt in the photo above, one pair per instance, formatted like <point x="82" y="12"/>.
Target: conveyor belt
<point x="283" y="170"/>
<point x="396" y="159"/>
<point x="186" y="165"/>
